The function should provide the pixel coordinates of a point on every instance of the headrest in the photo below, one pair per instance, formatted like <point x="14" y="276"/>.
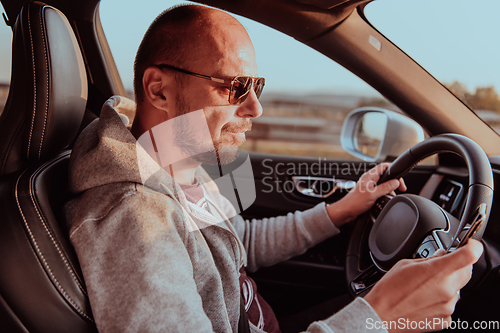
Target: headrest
<point x="48" y="90"/>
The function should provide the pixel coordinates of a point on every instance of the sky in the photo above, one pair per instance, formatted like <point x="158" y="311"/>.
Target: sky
<point x="452" y="39"/>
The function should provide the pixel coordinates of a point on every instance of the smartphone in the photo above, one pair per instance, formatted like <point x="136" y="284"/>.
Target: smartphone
<point x="478" y="221"/>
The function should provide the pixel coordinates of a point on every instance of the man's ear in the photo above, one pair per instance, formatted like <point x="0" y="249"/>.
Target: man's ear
<point x="155" y="84"/>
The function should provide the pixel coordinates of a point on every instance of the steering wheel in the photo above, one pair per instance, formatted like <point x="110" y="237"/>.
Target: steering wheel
<point x="411" y="226"/>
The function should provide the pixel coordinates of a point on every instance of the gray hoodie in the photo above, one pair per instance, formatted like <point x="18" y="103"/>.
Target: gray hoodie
<point x="152" y="261"/>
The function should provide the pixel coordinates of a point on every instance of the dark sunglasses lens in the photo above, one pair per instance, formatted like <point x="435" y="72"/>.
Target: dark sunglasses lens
<point x="258" y="86"/>
<point x="241" y="87"/>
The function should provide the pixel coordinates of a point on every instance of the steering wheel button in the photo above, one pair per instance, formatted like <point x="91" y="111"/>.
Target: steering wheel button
<point x="427" y="249"/>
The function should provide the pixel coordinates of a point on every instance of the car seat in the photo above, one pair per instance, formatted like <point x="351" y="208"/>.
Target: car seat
<point x="41" y="285"/>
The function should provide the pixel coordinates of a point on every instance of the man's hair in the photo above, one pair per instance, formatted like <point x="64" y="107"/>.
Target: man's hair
<point x="168" y="40"/>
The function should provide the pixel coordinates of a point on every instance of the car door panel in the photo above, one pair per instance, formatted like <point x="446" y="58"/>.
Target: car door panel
<point x="277" y="194"/>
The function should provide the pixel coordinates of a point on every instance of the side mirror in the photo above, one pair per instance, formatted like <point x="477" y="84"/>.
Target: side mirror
<point x="376" y="135"/>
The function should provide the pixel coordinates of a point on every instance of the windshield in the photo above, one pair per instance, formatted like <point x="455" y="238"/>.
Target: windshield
<point x="455" y="40"/>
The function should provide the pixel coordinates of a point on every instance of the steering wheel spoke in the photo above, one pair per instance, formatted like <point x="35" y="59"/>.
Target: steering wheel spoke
<point x="366" y="280"/>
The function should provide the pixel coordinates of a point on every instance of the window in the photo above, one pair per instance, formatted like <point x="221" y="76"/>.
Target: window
<point x="306" y="97"/>
<point x="5" y="63"/>
<point x="455" y="40"/>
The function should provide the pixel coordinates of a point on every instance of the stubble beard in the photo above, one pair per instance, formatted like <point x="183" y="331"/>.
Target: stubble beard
<point x="216" y="153"/>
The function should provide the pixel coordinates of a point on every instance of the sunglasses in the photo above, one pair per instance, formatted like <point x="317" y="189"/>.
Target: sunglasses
<point x="240" y="85"/>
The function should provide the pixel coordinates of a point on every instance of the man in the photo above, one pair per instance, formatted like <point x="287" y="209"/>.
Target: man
<point x="153" y="235"/>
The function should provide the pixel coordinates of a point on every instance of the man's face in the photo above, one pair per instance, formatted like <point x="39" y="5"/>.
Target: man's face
<point x="228" y="53"/>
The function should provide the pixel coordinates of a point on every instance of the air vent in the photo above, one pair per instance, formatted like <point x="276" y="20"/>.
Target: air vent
<point x="448" y="195"/>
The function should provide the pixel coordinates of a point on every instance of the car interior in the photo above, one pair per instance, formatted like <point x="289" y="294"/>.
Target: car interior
<point x="62" y="73"/>
<point x="38" y="257"/>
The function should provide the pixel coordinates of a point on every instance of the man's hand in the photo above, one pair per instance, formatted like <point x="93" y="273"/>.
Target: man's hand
<point x="416" y="290"/>
<point x="363" y="195"/>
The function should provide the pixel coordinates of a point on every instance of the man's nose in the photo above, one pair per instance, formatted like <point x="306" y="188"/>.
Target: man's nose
<point x="250" y="108"/>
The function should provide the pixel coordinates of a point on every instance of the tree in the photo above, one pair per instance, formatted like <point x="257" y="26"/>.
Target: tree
<point x="460" y="90"/>
<point x="484" y="98"/>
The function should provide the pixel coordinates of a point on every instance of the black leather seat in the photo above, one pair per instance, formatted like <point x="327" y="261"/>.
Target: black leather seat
<point x="41" y="286"/>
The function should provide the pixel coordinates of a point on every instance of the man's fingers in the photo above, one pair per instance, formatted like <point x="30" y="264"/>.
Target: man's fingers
<point x="402" y="185"/>
<point x="387" y="187"/>
<point x="374" y="174"/>
<point x="378" y="170"/>
<point x="370" y="179"/>
<point x="461" y="257"/>
<point x="438" y="253"/>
